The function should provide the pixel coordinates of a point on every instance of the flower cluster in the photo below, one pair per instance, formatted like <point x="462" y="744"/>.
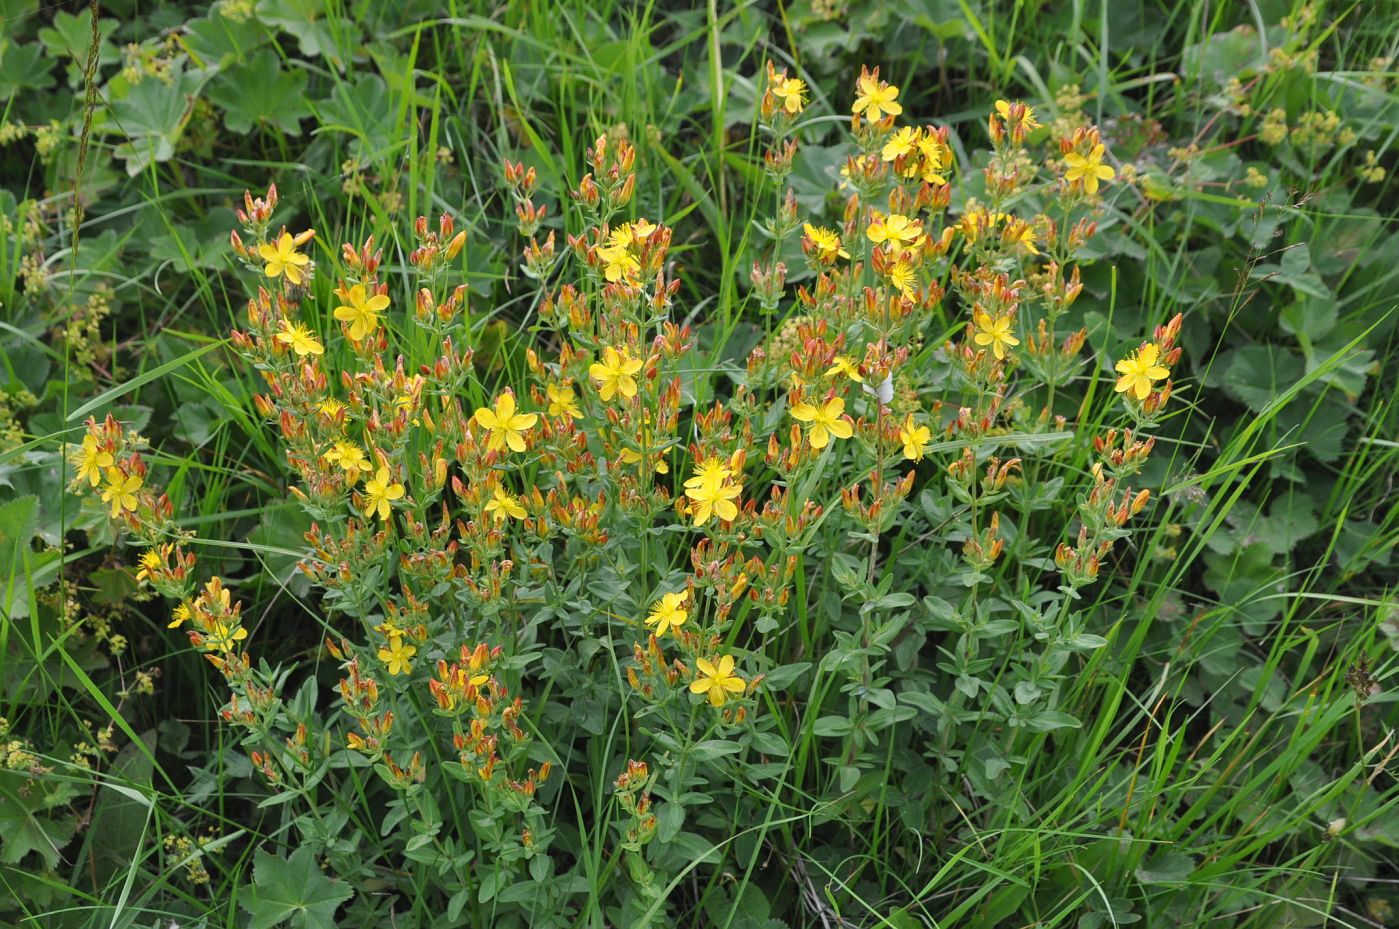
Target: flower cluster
<point x="497" y="504"/>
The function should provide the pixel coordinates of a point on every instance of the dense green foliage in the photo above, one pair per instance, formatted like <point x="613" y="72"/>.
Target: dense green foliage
<point x="941" y="724"/>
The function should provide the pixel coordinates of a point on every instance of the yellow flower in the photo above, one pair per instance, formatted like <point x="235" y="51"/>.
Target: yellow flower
<point x="710" y="471"/>
<point x="632" y="456"/>
<point x="897" y="230"/>
<point x="562" y="400"/>
<point x="150" y="562"/>
<point x="994" y="332"/>
<point x="618" y="262"/>
<point x="380" y="491"/>
<point x="902" y="277"/>
<point x="180" y="615"/>
<point x="507" y="426"/>
<point x="824" y="243"/>
<point x="615" y="374"/>
<point x="351" y="459"/>
<point x="1139" y="369"/>
<point x="718" y="682"/>
<point x="845" y="366"/>
<point x="901" y="143"/>
<point x="1019" y="232"/>
<point x="792" y="92"/>
<point x="826" y="421"/>
<point x="974" y="223"/>
<point x="398" y="656"/>
<point x="360" y="311"/>
<point x="668" y="613"/>
<point x="330" y="407"/>
<point x="641" y="230"/>
<point x="301" y="339"/>
<point x="915" y="438"/>
<point x="121" y="489"/>
<point x="504" y="505"/>
<point x="223" y="634"/>
<point x="1088" y="168"/>
<point x="711" y="494"/>
<point x="936" y="156"/>
<point x="283" y="258"/>
<point x="91" y="461"/>
<point x="876" y="98"/>
<point x="1024" y="122"/>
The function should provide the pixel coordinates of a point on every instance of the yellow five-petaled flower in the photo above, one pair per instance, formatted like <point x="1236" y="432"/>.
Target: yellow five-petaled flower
<point x="823" y="243"/>
<point x="121" y="489"/>
<point x="360" y="311"/>
<point x="506" y="425"/>
<point x="504" y="505"/>
<point x="299" y="338"/>
<point x="843" y="365"/>
<point x="351" y="459"/>
<point x="897" y="230"/>
<point x="902" y="277"/>
<point x="1088" y="168"/>
<point x="1018" y="116"/>
<point x="398" y="656"/>
<point x="562" y="400"/>
<point x="92" y="461"/>
<point x="792" y="92"/>
<point x="150" y="562"/>
<point x="1139" y="369"/>
<point x="901" y="143"/>
<point x="994" y="332"/>
<point x="180" y="615"/>
<point x="718" y="681"/>
<point x="615" y="374"/>
<point x="826" y="420"/>
<point x="668" y="613"/>
<point x="876" y="99"/>
<point x="915" y="438"/>
<point x="380" y="491"/>
<point x="711" y="493"/>
<point x="284" y="259"/>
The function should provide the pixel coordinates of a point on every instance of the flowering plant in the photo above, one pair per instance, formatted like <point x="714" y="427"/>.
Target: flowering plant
<point x="536" y="583"/>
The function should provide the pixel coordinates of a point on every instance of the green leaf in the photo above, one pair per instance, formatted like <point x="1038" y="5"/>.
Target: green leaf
<point x="215" y="41"/>
<point x="70" y="37"/>
<point x="1166" y="868"/>
<point x="18" y="521"/>
<point x="258" y="92"/>
<point x="22" y="827"/>
<point x="363" y="111"/>
<point x="1236" y="53"/>
<point x="307" y="20"/>
<point x="1049" y="720"/>
<point x="113" y="586"/>
<point x="1255" y="374"/>
<point x="1295" y="270"/>
<point x="23" y="67"/>
<point x="293" y="889"/>
<point x="152" y="117"/>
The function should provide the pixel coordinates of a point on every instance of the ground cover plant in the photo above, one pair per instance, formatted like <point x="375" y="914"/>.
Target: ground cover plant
<point x="830" y="464"/>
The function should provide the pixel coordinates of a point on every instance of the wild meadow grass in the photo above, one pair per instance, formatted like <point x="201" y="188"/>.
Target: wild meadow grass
<point x="817" y="464"/>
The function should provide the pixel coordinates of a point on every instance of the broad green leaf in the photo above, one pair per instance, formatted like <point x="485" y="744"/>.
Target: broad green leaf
<point x="23" y="67"/>
<point x="25" y="823"/>
<point x="307" y="21"/>
<point x="216" y="40"/>
<point x="70" y="37"/>
<point x="293" y="889"/>
<point x="152" y="117"/>
<point x="258" y="92"/>
<point x="1255" y="374"/>
<point x="1166" y="868"/>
